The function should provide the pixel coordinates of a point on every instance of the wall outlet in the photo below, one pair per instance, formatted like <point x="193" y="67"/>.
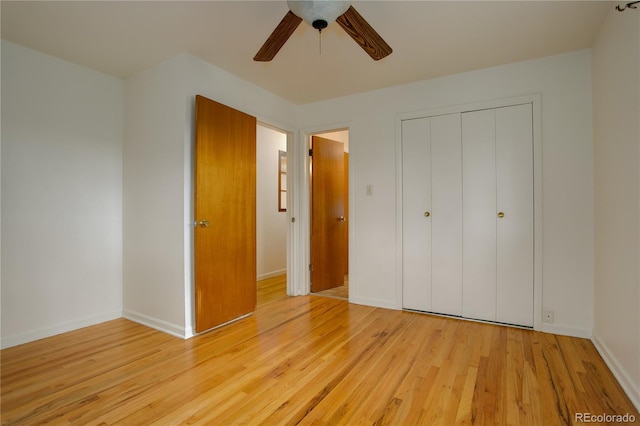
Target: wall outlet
<point x="547" y="316"/>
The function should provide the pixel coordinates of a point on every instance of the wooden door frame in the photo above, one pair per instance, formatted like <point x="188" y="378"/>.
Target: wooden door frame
<point x="301" y="185"/>
<point x="535" y="101"/>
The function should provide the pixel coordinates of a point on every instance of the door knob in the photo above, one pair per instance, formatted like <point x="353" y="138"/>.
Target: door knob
<point x="500" y="214"/>
<point x="203" y="224"/>
<point x="341" y="219"/>
<point x="427" y="214"/>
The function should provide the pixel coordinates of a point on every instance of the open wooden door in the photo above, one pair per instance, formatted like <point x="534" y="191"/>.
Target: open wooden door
<point x="327" y="214"/>
<point x="225" y="214"/>
<point x="346" y="214"/>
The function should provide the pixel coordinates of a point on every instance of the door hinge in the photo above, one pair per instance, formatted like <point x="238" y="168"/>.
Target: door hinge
<point x="310" y="267"/>
<point x="311" y="153"/>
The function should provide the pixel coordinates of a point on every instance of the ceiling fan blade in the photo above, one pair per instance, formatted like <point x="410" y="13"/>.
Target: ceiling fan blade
<point x="364" y="34"/>
<point x="278" y="37"/>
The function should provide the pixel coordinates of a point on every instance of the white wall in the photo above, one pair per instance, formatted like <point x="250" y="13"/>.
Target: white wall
<point x="62" y="130"/>
<point x="158" y="181"/>
<point x="271" y="238"/>
<point x="153" y="216"/>
<point x="616" y="100"/>
<point x="564" y="83"/>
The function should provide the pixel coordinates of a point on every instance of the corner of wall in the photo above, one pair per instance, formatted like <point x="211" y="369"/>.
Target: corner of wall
<point x="632" y="389"/>
<point x="157" y="324"/>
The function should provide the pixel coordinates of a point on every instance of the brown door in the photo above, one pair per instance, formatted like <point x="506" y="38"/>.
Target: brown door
<point x="225" y="214"/>
<point x="327" y="214"/>
<point x="346" y="213"/>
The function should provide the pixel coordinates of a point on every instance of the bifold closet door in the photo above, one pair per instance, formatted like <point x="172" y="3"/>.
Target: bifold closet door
<point x="514" y="158"/>
<point x="432" y="214"/>
<point x="479" y="215"/>
<point x="497" y="158"/>
<point x="416" y="225"/>
<point x="446" y="215"/>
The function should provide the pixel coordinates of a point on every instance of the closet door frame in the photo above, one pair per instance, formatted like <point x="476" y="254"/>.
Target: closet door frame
<point x="535" y="101"/>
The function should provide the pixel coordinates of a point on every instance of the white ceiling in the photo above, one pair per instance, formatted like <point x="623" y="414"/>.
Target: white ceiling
<point x="429" y="38"/>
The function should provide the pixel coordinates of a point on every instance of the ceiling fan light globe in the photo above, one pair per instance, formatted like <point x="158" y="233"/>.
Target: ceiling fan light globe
<point x="315" y="10"/>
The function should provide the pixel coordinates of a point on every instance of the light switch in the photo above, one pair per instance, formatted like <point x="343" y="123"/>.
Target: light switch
<point x="369" y="190"/>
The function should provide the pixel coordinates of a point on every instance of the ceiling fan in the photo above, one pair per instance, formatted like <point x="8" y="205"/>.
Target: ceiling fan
<point x="319" y="14"/>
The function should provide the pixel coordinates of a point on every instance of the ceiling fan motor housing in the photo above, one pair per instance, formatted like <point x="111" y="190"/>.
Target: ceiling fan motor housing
<point x="318" y="13"/>
<point x="319" y="24"/>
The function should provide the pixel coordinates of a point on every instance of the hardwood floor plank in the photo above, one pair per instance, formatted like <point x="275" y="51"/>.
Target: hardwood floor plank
<point x="464" y="409"/>
<point x="308" y="360"/>
<point x="416" y="384"/>
<point x="390" y="367"/>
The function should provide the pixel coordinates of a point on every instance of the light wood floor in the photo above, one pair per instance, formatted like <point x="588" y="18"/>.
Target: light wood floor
<point x="309" y="360"/>
<point x="341" y="292"/>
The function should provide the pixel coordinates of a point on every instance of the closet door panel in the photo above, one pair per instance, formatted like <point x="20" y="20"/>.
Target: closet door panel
<point x="416" y="228"/>
<point x="514" y="159"/>
<point x="446" y="214"/>
<point x="479" y="215"/>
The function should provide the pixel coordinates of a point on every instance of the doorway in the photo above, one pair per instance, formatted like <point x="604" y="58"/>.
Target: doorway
<point x="329" y="236"/>
<point x="226" y="215"/>
<point x="271" y="214"/>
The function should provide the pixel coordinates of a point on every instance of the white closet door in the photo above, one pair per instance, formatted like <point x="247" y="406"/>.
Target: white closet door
<point x="479" y="215"/>
<point x="514" y="160"/>
<point x="416" y="228"/>
<point x="446" y="215"/>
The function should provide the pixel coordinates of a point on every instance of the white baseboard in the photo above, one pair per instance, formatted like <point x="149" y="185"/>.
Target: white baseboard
<point x="158" y="324"/>
<point x="271" y="274"/>
<point x="30" y="336"/>
<point x="632" y="390"/>
<point x="564" y="330"/>
<point x="376" y="303"/>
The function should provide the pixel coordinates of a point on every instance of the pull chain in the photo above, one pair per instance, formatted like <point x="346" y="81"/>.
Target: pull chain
<point x="319" y="24"/>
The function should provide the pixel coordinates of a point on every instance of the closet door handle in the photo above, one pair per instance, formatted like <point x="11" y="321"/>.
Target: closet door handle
<point x="427" y="214"/>
<point x="501" y="215"/>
